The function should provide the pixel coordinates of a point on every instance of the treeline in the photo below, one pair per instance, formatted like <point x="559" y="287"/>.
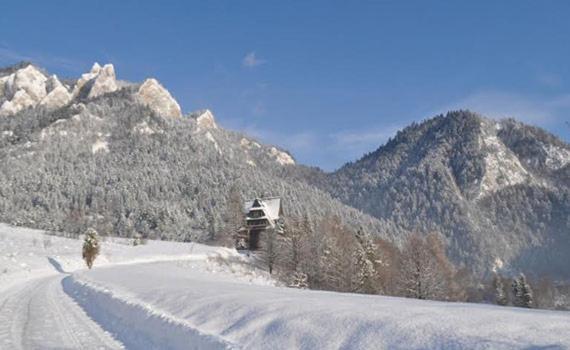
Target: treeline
<point x="327" y="255"/>
<point x="324" y="254"/>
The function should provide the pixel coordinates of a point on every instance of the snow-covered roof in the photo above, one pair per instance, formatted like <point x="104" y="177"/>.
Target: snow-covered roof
<point x="271" y="206"/>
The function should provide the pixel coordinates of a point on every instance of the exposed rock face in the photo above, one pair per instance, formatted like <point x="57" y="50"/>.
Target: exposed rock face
<point x="105" y="82"/>
<point x="30" y="80"/>
<point x="502" y="166"/>
<point x="57" y="96"/>
<point x="86" y="78"/>
<point x="99" y="81"/>
<point x="281" y="157"/>
<point x="205" y="120"/>
<point x="28" y="87"/>
<point x="156" y="97"/>
<point x="22" y="89"/>
<point x="19" y="101"/>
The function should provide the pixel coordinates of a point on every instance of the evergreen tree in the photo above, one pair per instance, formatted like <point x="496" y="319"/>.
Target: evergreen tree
<point x="523" y="296"/>
<point x="365" y="273"/>
<point x="91" y="247"/>
<point x="299" y="280"/>
<point x="500" y="294"/>
<point x="365" y="260"/>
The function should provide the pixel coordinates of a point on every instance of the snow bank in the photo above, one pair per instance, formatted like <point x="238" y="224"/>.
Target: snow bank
<point x="137" y="325"/>
<point x="257" y="316"/>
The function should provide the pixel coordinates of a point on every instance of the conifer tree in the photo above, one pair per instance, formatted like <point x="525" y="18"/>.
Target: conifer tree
<point x="299" y="280"/>
<point x="523" y="296"/>
<point x="365" y="259"/>
<point x="91" y="247"/>
<point x="500" y="294"/>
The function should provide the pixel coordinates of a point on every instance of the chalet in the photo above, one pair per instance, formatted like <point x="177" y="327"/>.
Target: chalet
<point x="261" y="214"/>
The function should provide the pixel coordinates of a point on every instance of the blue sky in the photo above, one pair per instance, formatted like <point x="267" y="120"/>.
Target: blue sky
<point x="327" y="80"/>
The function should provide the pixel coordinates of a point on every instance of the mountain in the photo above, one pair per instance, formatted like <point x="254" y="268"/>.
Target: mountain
<point x="122" y="157"/>
<point x="499" y="191"/>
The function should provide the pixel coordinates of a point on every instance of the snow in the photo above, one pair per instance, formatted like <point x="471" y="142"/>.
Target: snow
<point x="498" y="264"/>
<point x="167" y="295"/>
<point x="256" y="316"/>
<point x="502" y="166"/>
<point x="144" y="129"/>
<point x="557" y="157"/>
<point x="271" y="206"/>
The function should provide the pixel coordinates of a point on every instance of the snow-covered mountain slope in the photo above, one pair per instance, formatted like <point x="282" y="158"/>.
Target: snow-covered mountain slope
<point x="122" y="159"/>
<point x="190" y="296"/>
<point x="495" y="189"/>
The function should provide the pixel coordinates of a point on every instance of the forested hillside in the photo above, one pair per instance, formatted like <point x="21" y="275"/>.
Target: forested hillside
<point x="124" y="160"/>
<point x="498" y="191"/>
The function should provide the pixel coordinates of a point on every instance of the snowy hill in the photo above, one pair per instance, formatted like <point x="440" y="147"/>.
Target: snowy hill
<point x="121" y="157"/>
<point x="495" y="189"/>
<point x="184" y="296"/>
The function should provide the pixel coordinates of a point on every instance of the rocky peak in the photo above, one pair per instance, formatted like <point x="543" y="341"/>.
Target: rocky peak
<point x="57" y="96"/>
<point x="281" y="157"/>
<point x="99" y="81"/>
<point x="29" y="79"/>
<point x="152" y="94"/>
<point x="205" y="119"/>
<point x="23" y="88"/>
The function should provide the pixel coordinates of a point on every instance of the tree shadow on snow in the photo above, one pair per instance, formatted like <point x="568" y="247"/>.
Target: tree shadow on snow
<point x="56" y="265"/>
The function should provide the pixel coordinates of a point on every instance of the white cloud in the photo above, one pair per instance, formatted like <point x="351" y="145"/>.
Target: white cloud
<point x="251" y="60"/>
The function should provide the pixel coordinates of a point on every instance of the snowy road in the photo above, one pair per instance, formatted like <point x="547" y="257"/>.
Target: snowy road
<point x="39" y="315"/>
<point x="167" y="295"/>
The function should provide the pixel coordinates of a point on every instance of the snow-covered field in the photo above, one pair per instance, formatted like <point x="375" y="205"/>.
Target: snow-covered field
<point x="166" y="295"/>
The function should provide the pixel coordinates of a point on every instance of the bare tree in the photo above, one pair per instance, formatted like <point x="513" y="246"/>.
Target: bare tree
<point x="234" y="218"/>
<point x="425" y="272"/>
<point x="269" y="249"/>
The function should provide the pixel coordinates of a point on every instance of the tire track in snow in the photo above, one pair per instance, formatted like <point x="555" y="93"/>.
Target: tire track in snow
<point x="39" y="315"/>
